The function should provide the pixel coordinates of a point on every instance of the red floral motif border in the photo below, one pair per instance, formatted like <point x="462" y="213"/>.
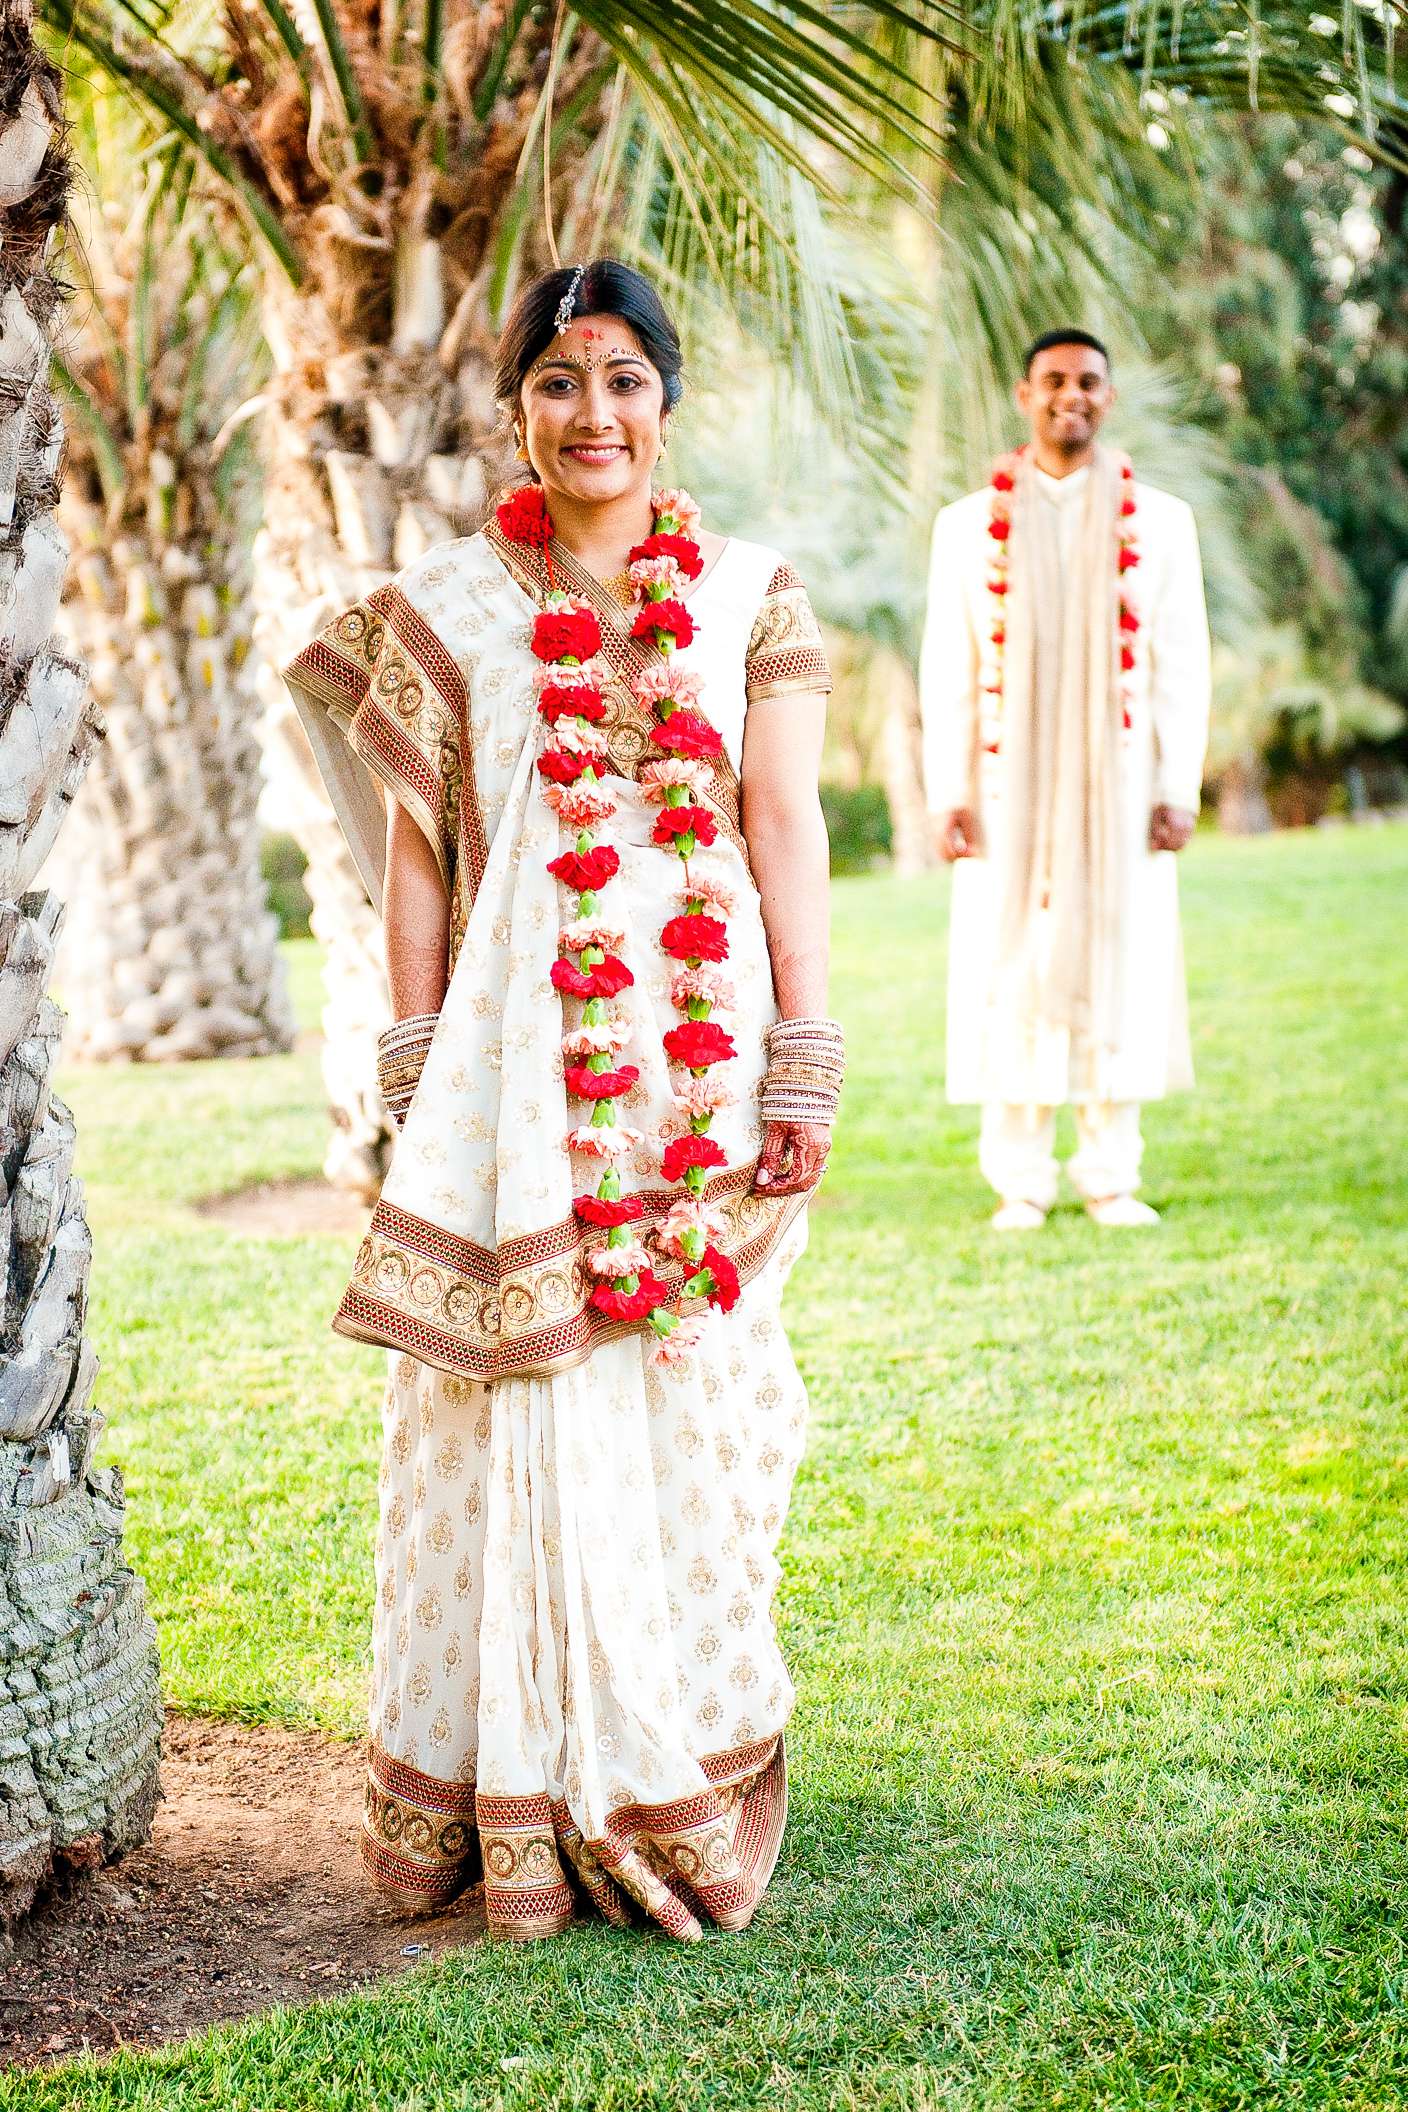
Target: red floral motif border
<point x="713" y="1851"/>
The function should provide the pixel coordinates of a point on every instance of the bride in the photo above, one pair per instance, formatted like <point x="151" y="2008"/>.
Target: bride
<point x="603" y="879"/>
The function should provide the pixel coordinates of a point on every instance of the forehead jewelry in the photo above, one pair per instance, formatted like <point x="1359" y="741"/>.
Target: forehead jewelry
<point x="563" y="319"/>
<point x="596" y="353"/>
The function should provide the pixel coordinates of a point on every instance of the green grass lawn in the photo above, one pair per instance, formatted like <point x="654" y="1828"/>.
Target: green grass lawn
<point x="1096" y="1574"/>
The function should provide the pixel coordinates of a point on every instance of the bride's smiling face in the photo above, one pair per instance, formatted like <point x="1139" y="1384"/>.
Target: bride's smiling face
<point x="592" y="406"/>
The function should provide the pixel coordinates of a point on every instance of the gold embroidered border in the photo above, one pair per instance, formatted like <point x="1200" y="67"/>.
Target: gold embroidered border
<point x="786" y="654"/>
<point x="715" y="1851"/>
<point x="372" y="667"/>
<point x="521" y="1308"/>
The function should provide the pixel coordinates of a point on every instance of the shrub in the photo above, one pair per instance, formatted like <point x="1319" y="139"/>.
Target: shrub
<point x="283" y="866"/>
<point x="858" y="823"/>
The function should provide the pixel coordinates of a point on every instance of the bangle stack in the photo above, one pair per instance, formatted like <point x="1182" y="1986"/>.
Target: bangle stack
<point x="806" y="1063"/>
<point x="400" y="1058"/>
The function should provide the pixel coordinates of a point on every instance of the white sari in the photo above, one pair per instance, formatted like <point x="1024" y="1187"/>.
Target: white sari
<point x="576" y="1683"/>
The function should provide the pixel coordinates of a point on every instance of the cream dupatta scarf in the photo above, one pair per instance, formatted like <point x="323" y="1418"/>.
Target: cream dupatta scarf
<point x="474" y="1261"/>
<point x="1063" y="868"/>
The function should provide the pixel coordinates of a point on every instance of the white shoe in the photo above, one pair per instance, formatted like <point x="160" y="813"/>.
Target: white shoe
<point x="1018" y="1217"/>
<point x="1123" y="1211"/>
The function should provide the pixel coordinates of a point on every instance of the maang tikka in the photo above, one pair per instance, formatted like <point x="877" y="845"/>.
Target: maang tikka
<point x="562" y="321"/>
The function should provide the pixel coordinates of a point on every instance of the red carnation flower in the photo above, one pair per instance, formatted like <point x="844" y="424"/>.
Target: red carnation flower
<point x="1126" y="657"/>
<point x="1125" y="720"/>
<point x="566" y="634"/>
<point x="562" y="765"/>
<point x="604" y="980"/>
<point x="1000" y="529"/>
<point x="697" y="1043"/>
<point x="586" y="870"/>
<point x="671" y="617"/>
<point x="683" y="1152"/>
<point x="689" y="733"/>
<point x="599" y="1085"/>
<point x="998" y="634"/>
<point x="631" y="1305"/>
<point x="686" y="554"/>
<point x="997" y="586"/>
<point x="1003" y="480"/>
<point x="577" y="701"/>
<point x="695" y="939"/>
<point x="684" y="821"/>
<point x="1126" y="509"/>
<point x="596" y="1210"/>
<point x="524" y="516"/>
<point x="723" y="1292"/>
<point x="1128" y="556"/>
<point x="1128" y="620"/>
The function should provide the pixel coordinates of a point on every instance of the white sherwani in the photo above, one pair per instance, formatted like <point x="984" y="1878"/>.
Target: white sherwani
<point x="1160" y="762"/>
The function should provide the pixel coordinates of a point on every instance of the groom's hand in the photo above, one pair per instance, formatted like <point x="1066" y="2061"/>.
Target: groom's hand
<point x="959" y="835"/>
<point x="1170" y="828"/>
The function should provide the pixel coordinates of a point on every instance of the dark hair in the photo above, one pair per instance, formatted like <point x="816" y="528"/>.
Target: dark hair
<point x="1049" y="339"/>
<point x="606" y="288"/>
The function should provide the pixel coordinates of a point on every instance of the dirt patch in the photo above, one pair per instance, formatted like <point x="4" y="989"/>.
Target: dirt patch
<point x="250" y="1893"/>
<point x="285" y="1209"/>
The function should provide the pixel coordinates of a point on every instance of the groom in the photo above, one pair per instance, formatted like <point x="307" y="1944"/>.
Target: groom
<point x="1064" y="683"/>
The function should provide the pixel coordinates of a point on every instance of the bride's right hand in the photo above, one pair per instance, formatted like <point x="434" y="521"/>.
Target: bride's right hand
<point x="793" y="1158"/>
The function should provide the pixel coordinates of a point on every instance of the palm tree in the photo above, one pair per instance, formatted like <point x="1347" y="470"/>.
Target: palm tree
<point x="82" y="1716"/>
<point x="400" y="166"/>
<point x="170" y="951"/>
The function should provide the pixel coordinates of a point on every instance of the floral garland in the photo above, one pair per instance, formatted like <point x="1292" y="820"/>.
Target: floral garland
<point x="1004" y="483"/>
<point x="571" y="699"/>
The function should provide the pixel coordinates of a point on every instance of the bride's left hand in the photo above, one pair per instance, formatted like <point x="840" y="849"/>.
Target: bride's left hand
<point x="793" y="1157"/>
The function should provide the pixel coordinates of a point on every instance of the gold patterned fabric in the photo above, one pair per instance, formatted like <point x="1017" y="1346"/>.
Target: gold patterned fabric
<point x="786" y="653"/>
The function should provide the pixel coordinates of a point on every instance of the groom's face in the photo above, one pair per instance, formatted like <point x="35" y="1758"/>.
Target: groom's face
<point x="1065" y="397"/>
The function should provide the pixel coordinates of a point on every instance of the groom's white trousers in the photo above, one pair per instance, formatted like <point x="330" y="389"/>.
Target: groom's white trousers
<point x="1017" y="1155"/>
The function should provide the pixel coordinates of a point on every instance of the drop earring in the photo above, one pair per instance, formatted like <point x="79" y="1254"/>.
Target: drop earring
<point x="522" y="440"/>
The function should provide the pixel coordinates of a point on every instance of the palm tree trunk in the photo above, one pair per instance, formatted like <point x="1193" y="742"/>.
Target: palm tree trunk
<point x="373" y="455"/>
<point x="80" y="1711"/>
<point x="170" y="952"/>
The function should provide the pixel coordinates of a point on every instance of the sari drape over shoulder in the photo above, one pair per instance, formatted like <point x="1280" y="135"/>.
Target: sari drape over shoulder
<point x="576" y="1685"/>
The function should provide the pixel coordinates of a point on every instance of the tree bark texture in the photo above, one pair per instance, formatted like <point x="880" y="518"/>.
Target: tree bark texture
<point x="170" y="950"/>
<point x="80" y="1712"/>
<point x="372" y="455"/>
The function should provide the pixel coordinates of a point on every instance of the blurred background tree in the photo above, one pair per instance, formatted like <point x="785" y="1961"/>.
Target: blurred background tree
<point x="170" y="951"/>
<point x="1285" y="303"/>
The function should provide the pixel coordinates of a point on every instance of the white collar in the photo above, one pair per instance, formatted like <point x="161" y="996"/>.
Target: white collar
<point x="1061" y="490"/>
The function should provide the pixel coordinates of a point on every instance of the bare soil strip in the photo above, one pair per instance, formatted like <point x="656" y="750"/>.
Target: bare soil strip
<point x="249" y="1894"/>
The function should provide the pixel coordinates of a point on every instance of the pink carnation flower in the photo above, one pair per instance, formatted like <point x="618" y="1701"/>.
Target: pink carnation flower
<point x="658" y="572"/>
<point x="704" y="1096"/>
<point x="629" y="1260"/>
<point x="656" y="778"/>
<point x="562" y="603"/>
<point x="580" y="736"/>
<point x="705" y="982"/>
<point x="708" y="888"/>
<point x="683" y="1337"/>
<point x="679" y="507"/>
<point x="607" y="1039"/>
<point x="692" y="1217"/>
<point x="590" y="931"/>
<point x="662" y="682"/>
<point x="578" y="806"/>
<point x="591" y="674"/>
<point x="608" y="1140"/>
